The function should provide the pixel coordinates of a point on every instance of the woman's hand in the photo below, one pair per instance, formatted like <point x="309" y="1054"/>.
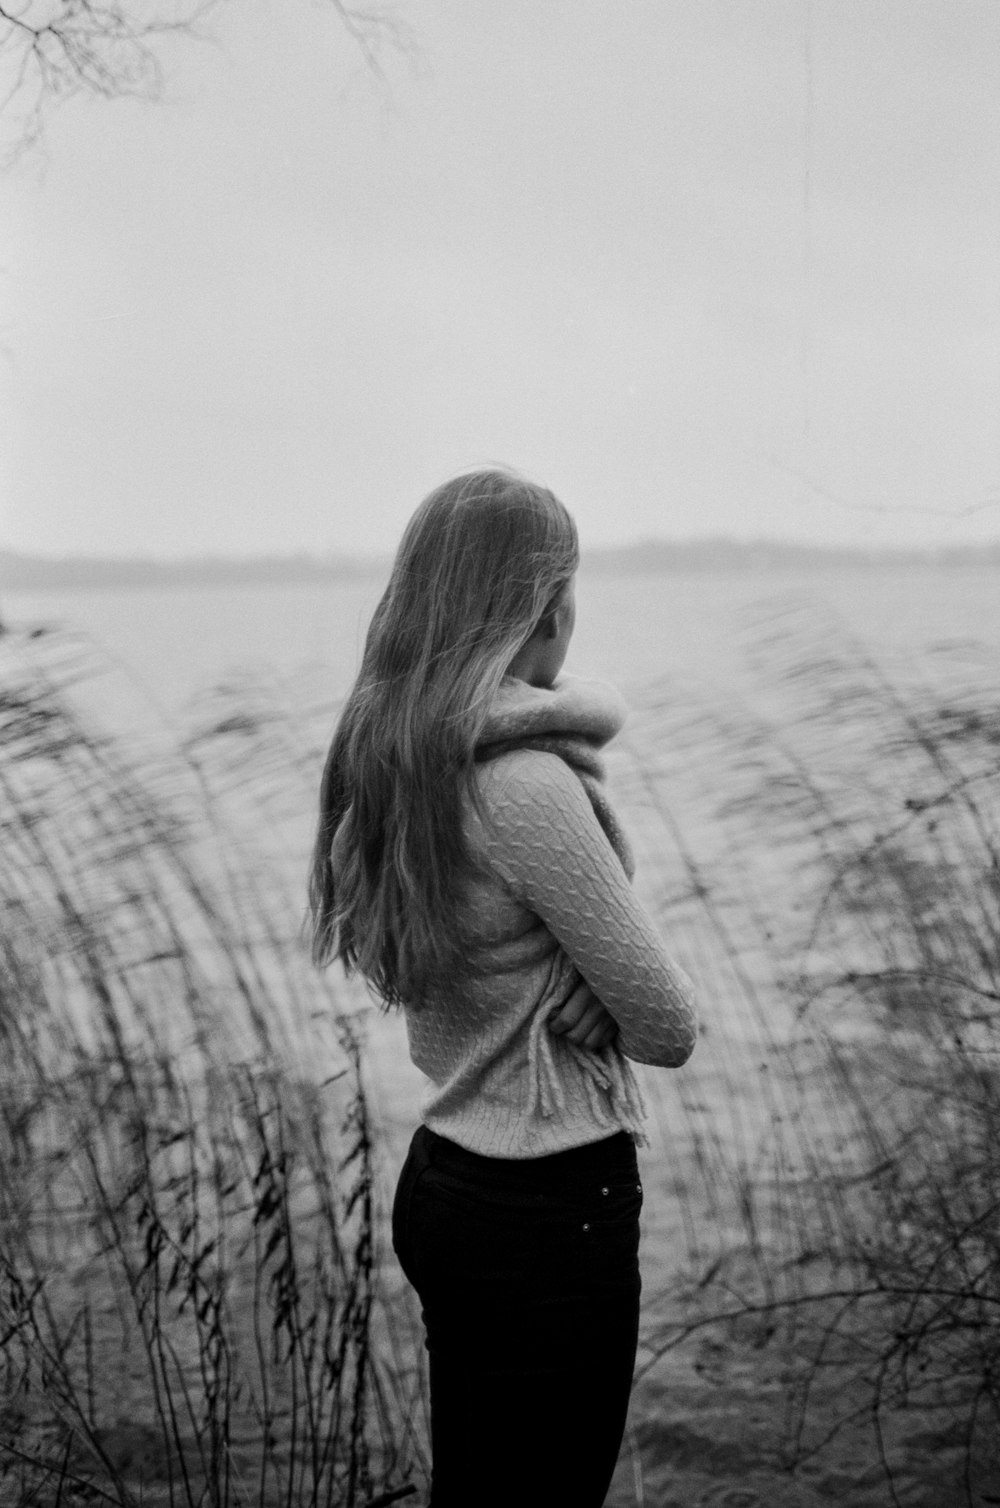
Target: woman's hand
<point x="583" y="1020"/>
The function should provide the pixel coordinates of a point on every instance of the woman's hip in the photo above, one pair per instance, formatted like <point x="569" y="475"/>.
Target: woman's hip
<point x="545" y="1228"/>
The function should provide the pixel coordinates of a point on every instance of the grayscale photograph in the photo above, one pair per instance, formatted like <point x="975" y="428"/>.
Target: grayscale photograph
<point x="499" y="754"/>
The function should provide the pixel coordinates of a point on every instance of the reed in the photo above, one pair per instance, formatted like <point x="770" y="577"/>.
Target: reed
<point x="841" y="905"/>
<point x="188" y="1244"/>
<point x="198" y="1304"/>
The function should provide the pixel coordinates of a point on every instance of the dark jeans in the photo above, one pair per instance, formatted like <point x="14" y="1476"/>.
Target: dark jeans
<point x="528" y="1275"/>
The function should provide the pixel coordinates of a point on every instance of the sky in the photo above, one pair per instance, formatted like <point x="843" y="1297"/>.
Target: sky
<point x="701" y="266"/>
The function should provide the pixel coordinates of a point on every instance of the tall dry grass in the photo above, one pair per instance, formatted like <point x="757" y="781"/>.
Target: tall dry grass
<point x="198" y="1303"/>
<point x="188" y="1257"/>
<point x="831" y="857"/>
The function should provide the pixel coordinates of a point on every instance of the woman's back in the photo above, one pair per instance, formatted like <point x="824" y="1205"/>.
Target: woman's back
<point x="543" y="902"/>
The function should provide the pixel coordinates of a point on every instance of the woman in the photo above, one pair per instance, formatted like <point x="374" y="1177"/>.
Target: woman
<point x="469" y="865"/>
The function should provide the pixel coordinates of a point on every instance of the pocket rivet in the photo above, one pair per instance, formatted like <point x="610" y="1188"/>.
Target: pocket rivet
<point x="605" y="1191"/>
<point x="638" y="1188"/>
<point x="586" y="1225"/>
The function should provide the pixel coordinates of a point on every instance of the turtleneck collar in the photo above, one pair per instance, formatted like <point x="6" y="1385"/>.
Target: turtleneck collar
<point x="570" y="707"/>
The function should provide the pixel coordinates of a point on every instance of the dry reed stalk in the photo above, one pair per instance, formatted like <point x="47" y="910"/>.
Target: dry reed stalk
<point x="187" y="1271"/>
<point x="826" y="864"/>
<point x="872" y="802"/>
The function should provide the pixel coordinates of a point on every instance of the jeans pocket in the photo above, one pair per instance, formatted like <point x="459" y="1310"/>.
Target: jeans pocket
<point x="601" y="1229"/>
<point x="618" y="1199"/>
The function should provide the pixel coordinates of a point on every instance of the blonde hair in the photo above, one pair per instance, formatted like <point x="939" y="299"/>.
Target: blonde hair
<point x="480" y="562"/>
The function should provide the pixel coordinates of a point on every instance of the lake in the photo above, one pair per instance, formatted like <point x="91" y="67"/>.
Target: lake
<point x="164" y="645"/>
<point x="797" y="1086"/>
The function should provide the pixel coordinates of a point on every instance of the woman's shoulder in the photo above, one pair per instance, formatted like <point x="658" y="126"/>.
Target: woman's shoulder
<point x="528" y="784"/>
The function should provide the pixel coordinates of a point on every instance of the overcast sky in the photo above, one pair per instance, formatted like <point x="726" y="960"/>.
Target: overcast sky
<point x="701" y="267"/>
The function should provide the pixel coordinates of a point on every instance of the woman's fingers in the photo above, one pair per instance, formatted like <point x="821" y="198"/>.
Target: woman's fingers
<point x="606" y="1031"/>
<point x="582" y="1019"/>
<point x="594" y="1030"/>
<point x="574" y="1009"/>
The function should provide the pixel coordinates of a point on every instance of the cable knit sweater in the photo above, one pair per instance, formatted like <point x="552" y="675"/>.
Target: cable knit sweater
<point x="547" y="902"/>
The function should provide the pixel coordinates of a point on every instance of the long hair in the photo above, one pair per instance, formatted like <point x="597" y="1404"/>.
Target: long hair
<point x="480" y="562"/>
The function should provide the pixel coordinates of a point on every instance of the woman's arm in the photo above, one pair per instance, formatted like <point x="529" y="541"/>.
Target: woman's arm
<point x="546" y="844"/>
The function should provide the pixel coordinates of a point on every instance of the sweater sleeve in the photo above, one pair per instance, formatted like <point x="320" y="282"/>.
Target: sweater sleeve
<point x="544" y="841"/>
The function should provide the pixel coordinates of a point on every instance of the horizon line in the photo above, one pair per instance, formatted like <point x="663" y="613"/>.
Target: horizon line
<point x="369" y="557"/>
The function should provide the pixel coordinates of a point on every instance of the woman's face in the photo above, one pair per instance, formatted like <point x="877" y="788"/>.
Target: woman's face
<point x="540" y="658"/>
<point x="553" y="649"/>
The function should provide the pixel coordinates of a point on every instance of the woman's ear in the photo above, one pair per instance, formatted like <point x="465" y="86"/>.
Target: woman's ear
<point x="548" y="623"/>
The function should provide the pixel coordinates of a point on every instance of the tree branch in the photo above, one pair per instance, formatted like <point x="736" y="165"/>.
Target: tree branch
<point x="52" y="49"/>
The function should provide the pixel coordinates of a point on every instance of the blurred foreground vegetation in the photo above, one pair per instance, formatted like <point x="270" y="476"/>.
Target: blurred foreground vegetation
<point x="198" y="1304"/>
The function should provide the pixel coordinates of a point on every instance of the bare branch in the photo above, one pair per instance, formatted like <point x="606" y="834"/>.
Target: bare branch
<point x="53" y="49"/>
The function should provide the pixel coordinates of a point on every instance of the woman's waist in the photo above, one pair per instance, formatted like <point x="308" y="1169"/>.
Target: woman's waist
<point x="609" y="1158"/>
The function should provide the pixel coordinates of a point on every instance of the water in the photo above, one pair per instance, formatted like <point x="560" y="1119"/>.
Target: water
<point x="724" y="1115"/>
<point x="166" y="644"/>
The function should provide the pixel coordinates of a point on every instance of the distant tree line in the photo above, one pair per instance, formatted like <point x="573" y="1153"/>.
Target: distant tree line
<point x="22" y="572"/>
<point x="721" y="553"/>
<point x="44" y="573"/>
